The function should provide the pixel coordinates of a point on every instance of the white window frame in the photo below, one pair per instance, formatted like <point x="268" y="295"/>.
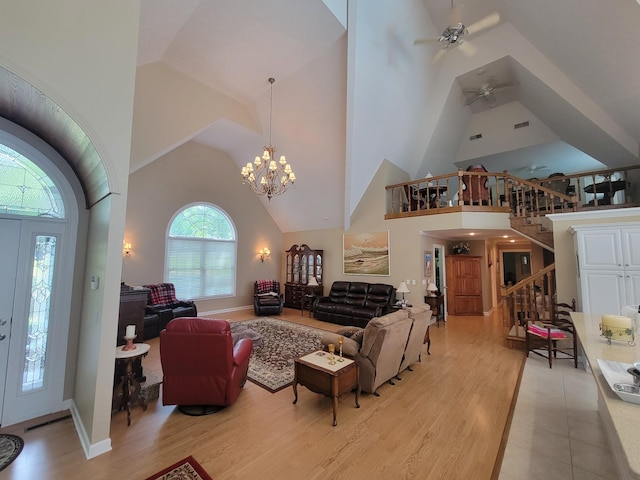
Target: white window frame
<point x="169" y="239"/>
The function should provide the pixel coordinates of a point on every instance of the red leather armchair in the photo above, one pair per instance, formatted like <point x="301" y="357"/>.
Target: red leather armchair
<point x="200" y="364"/>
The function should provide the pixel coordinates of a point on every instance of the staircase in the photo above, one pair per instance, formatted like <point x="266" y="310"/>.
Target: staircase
<point x="537" y="229"/>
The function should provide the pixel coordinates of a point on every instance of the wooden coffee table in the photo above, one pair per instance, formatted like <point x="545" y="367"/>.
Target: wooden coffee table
<point x="314" y="372"/>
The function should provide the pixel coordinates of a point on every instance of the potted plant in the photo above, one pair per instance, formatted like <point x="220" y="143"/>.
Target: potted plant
<point x="461" y="248"/>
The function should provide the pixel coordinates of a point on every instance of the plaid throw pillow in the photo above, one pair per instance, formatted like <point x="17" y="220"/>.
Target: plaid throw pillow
<point x="162" y="294"/>
<point x="266" y="286"/>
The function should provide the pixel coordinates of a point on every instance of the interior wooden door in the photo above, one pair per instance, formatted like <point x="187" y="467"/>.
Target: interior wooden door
<point x="464" y="285"/>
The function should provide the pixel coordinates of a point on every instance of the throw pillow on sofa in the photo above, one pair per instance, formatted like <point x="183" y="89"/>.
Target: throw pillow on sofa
<point x="351" y="340"/>
<point x="354" y="333"/>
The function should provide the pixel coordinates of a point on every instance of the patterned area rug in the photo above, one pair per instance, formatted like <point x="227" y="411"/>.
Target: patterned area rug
<point x="185" y="469"/>
<point x="271" y="364"/>
<point x="10" y="448"/>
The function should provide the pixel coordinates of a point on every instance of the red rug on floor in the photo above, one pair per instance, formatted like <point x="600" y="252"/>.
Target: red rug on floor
<point x="185" y="469"/>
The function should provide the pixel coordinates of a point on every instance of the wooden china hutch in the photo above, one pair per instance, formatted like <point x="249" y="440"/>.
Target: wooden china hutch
<point x="303" y="263"/>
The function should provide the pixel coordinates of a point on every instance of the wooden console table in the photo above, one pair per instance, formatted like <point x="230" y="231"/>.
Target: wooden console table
<point x="437" y="307"/>
<point x="314" y="372"/>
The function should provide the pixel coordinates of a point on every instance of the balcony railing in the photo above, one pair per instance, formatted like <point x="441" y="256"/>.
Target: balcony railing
<point x="503" y="192"/>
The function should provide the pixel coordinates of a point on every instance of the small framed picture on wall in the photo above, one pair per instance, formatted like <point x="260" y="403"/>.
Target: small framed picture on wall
<point x="427" y="264"/>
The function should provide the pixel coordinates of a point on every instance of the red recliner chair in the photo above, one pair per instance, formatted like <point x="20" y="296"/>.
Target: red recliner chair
<point x="200" y="365"/>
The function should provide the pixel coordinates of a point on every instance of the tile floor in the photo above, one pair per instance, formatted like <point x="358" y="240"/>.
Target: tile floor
<point x="556" y="432"/>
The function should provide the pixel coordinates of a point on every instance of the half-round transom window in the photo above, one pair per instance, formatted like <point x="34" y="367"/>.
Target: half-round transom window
<point x="25" y="189"/>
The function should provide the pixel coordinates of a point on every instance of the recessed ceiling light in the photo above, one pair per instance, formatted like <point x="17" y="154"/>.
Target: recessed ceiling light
<point x="482" y="71"/>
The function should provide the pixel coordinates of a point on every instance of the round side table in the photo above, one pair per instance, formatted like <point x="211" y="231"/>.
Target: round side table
<point x="127" y="393"/>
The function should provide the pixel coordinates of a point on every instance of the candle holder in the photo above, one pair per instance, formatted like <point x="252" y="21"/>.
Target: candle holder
<point x="332" y="349"/>
<point x="340" y="340"/>
<point x="130" y="345"/>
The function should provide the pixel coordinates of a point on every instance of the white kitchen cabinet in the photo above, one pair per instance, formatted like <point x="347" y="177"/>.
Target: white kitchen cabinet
<point x="608" y="267"/>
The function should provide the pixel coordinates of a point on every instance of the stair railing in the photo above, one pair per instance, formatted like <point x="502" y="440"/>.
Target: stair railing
<point x="528" y="301"/>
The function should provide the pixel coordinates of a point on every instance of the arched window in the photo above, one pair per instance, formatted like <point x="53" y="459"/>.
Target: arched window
<point x="201" y="253"/>
<point x="25" y="189"/>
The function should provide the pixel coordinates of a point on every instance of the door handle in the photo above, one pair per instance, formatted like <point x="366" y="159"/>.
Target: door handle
<point x="3" y="322"/>
<point x="2" y="336"/>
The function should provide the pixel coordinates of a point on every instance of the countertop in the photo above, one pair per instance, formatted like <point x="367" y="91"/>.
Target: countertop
<point x="621" y="419"/>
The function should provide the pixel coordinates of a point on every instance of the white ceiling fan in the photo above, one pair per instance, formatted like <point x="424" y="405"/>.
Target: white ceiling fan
<point x="457" y="32"/>
<point x="486" y="92"/>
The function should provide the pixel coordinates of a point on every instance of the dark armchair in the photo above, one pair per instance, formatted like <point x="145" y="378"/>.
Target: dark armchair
<point x="200" y="365"/>
<point x="267" y="299"/>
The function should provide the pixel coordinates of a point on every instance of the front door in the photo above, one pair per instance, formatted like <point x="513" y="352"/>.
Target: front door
<point x="10" y="241"/>
<point x="35" y="307"/>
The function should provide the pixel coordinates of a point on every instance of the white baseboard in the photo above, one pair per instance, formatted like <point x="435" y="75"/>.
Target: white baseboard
<point x="90" y="451"/>
<point x="225" y="310"/>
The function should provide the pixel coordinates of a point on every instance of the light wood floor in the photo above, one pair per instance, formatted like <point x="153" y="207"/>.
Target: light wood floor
<point x="444" y="420"/>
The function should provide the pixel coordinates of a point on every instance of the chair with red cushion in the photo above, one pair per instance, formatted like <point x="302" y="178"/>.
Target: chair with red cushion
<point x="200" y="365"/>
<point x="554" y="340"/>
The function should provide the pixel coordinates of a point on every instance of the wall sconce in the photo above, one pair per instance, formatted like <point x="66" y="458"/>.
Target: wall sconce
<point x="126" y="249"/>
<point x="264" y="253"/>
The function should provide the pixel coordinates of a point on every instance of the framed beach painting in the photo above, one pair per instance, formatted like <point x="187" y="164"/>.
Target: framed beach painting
<point x="365" y="253"/>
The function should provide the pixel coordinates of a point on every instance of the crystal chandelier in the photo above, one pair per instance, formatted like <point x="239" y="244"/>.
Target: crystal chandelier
<point x="265" y="176"/>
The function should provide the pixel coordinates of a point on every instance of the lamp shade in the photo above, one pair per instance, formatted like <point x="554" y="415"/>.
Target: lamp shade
<point x="312" y="282"/>
<point x="402" y="288"/>
<point x="431" y="288"/>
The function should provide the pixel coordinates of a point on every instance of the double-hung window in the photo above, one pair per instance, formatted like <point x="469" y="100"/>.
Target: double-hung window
<point x="201" y="253"/>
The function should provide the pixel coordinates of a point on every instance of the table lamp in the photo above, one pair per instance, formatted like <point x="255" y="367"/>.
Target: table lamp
<point x="312" y="282"/>
<point x="402" y="288"/>
<point x="432" y="289"/>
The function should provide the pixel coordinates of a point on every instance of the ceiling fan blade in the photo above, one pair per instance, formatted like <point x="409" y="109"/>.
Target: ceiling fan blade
<point x="420" y="41"/>
<point x="474" y="99"/>
<point x="484" y="23"/>
<point x="438" y="56"/>
<point x="467" y="49"/>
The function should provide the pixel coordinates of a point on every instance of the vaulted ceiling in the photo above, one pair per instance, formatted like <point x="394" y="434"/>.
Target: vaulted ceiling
<point x="571" y="65"/>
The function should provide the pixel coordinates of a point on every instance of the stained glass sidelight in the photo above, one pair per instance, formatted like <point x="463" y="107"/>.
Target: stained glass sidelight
<point x="39" y="311"/>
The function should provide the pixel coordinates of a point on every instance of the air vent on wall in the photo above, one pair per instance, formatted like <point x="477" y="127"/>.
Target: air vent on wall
<point x="475" y="137"/>
<point x="521" y="125"/>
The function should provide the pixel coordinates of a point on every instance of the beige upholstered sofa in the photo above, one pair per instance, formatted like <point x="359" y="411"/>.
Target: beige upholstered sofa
<point x="420" y="316"/>
<point x="380" y="347"/>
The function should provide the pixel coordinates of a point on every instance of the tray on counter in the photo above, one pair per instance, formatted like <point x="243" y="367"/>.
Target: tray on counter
<point x="616" y="373"/>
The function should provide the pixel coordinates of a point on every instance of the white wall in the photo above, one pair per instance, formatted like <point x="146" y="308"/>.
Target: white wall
<point x="189" y="174"/>
<point x="388" y="89"/>
<point x="82" y="55"/>
<point x="498" y="134"/>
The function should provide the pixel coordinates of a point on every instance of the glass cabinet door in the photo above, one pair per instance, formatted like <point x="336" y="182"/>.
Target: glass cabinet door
<point x="319" y="268"/>
<point x="303" y="276"/>
<point x="296" y="269"/>
<point x="289" y="269"/>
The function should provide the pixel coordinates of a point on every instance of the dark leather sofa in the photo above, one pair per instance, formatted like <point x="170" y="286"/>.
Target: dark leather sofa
<point x="355" y="303"/>
<point x="163" y="307"/>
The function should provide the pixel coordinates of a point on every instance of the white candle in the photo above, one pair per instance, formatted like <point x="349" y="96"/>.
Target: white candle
<point x="131" y="331"/>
